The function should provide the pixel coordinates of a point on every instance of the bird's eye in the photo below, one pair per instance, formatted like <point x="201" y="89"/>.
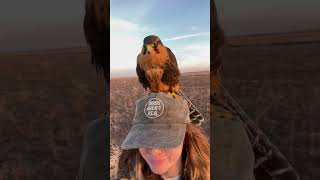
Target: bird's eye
<point x="154" y="44"/>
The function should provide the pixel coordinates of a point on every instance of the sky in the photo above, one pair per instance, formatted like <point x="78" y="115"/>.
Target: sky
<point x="182" y="25"/>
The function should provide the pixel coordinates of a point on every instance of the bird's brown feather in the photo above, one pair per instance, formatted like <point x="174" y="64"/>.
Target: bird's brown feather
<point x="157" y="69"/>
<point x="142" y="77"/>
<point x="171" y="72"/>
<point x="150" y="69"/>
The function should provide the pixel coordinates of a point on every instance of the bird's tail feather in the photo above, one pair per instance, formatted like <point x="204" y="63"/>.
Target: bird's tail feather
<point x="195" y="116"/>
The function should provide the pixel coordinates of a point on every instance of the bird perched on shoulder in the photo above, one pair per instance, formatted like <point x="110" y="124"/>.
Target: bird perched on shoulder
<point x="158" y="71"/>
<point x="157" y="67"/>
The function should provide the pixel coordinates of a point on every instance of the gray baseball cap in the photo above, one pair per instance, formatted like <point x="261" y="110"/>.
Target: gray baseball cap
<point x="159" y="122"/>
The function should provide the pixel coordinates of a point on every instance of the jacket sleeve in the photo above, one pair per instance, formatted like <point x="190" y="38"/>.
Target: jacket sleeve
<point x="233" y="157"/>
<point x="270" y="163"/>
<point x="93" y="162"/>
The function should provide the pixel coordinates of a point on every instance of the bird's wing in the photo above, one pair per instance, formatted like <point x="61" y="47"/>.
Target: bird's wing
<point x="171" y="71"/>
<point x="195" y="116"/>
<point x="172" y="57"/>
<point x="141" y="75"/>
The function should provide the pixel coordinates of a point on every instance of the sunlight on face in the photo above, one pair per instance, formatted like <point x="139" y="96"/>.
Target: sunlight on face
<point x="163" y="161"/>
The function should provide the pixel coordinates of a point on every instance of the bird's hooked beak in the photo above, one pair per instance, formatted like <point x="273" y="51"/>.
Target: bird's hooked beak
<point x="149" y="47"/>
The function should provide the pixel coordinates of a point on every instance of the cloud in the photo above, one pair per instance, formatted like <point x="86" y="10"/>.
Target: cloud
<point x="196" y="55"/>
<point x="194" y="28"/>
<point x="122" y="24"/>
<point x="188" y="36"/>
<point x="125" y="43"/>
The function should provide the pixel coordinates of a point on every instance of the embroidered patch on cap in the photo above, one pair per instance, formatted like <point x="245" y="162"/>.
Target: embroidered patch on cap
<point x="153" y="108"/>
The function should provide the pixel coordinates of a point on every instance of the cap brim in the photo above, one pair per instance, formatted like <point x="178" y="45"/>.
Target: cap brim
<point x="163" y="136"/>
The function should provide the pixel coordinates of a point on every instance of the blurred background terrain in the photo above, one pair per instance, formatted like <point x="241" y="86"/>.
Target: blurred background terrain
<point x="47" y="99"/>
<point x="276" y="79"/>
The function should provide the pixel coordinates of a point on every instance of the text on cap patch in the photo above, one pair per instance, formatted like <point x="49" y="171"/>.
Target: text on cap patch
<point x="154" y="108"/>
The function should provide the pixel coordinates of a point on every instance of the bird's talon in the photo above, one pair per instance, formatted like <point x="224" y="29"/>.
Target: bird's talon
<point x="172" y="94"/>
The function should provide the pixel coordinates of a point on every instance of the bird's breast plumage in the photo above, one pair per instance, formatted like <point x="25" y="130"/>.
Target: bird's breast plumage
<point x="157" y="67"/>
<point x="153" y="60"/>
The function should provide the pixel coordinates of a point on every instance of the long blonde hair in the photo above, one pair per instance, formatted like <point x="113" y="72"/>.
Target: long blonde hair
<point x="195" y="155"/>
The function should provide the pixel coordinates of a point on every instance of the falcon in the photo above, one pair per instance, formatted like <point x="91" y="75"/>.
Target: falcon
<point x="157" y="67"/>
<point x="158" y="71"/>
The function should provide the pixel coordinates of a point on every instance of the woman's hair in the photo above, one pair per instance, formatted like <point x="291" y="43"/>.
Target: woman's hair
<point x="195" y="155"/>
<point x="217" y="40"/>
<point x="96" y="31"/>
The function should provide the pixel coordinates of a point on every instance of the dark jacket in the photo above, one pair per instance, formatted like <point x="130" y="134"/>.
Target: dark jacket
<point x="93" y="161"/>
<point x="240" y="149"/>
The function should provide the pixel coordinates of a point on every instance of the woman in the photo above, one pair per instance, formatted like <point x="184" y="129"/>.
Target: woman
<point x="163" y="143"/>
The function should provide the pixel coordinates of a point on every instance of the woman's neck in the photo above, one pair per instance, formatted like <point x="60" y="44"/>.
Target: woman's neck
<point x="174" y="170"/>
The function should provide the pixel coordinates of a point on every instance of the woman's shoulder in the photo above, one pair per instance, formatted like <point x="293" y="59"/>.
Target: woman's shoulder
<point x="98" y="123"/>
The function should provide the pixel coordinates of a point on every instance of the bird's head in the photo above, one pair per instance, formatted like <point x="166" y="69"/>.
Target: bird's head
<point x="151" y="43"/>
